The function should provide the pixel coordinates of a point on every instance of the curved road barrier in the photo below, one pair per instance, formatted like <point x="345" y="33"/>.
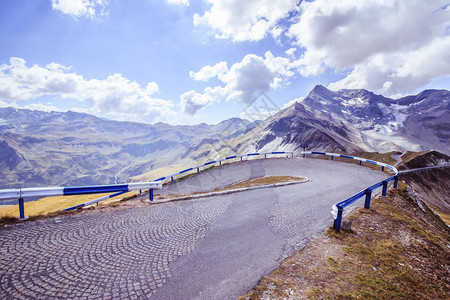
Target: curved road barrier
<point x="338" y="209"/>
<point x="171" y="176"/>
<point x="118" y="189"/>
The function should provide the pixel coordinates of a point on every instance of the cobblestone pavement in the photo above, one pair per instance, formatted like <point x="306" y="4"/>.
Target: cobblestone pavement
<point x="111" y="255"/>
<point x="210" y="248"/>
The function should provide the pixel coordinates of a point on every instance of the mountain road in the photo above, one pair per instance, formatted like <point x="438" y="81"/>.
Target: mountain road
<point x="209" y="248"/>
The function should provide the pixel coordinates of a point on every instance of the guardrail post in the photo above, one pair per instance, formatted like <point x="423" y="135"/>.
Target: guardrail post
<point x="359" y="162"/>
<point x="384" y="192"/>
<point x="368" y="198"/>
<point x="338" y="220"/>
<point x="172" y="178"/>
<point x="220" y="163"/>
<point x="241" y="158"/>
<point x="395" y="182"/>
<point x="150" y="195"/>
<point x="198" y="170"/>
<point x="332" y="157"/>
<point x="382" y="168"/>
<point x="265" y="155"/>
<point x="21" y="209"/>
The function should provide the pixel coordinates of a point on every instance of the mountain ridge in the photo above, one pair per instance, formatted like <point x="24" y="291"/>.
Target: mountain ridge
<point x="56" y="148"/>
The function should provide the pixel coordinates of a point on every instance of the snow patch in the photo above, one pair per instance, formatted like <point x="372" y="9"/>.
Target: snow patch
<point x="381" y="142"/>
<point x="355" y="102"/>
<point x="398" y="112"/>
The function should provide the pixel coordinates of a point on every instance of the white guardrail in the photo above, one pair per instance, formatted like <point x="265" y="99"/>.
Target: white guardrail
<point x="24" y="193"/>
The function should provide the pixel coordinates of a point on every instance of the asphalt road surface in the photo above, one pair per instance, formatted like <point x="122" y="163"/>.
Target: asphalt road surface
<point x="209" y="248"/>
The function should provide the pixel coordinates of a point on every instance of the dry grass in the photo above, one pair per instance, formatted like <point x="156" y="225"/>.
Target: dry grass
<point x="262" y="181"/>
<point x="375" y="156"/>
<point x="381" y="157"/>
<point x="50" y="205"/>
<point x="444" y="216"/>
<point x="248" y="183"/>
<point x="408" y="155"/>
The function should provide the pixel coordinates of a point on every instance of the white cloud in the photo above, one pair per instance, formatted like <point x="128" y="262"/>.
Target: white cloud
<point x="115" y="97"/>
<point x="248" y="20"/>
<point x="242" y="82"/>
<point x="19" y="82"/>
<point x="209" y="72"/>
<point x="33" y="106"/>
<point x="81" y="8"/>
<point x="41" y="107"/>
<point x="4" y="104"/>
<point x="396" y="73"/>
<point x="179" y="2"/>
<point x="291" y="52"/>
<point x="293" y="101"/>
<point x="191" y="101"/>
<point x="386" y="46"/>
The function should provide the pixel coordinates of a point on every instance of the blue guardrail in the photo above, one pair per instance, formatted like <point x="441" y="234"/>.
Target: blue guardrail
<point x="338" y="209"/>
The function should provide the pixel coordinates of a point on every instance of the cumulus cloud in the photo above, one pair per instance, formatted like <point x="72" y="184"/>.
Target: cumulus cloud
<point x="179" y="2"/>
<point x="242" y="82"/>
<point x="41" y="107"/>
<point x="293" y="101"/>
<point x="115" y="97"/>
<point x="245" y="20"/>
<point x="81" y="8"/>
<point x="208" y="72"/>
<point x="191" y="101"/>
<point x="385" y="46"/>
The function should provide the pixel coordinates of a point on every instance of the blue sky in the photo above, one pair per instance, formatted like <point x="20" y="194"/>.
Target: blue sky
<point x="187" y="62"/>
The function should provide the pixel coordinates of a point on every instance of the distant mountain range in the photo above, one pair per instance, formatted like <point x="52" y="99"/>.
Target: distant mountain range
<point x="54" y="148"/>
<point x="353" y="121"/>
<point x="46" y="149"/>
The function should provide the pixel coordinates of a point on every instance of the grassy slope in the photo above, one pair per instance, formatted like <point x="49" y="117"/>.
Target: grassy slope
<point x="51" y="204"/>
<point x="396" y="251"/>
<point x="262" y="181"/>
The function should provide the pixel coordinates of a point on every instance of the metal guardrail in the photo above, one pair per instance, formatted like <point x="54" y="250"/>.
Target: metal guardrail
<point x="117" y="189"/>
<point x="338" y="209"/>
<point x="171" y="176"/>
<point x="21" y="194"/>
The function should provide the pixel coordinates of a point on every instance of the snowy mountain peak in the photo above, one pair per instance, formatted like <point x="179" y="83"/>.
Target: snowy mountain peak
<point x="422" y="118"/>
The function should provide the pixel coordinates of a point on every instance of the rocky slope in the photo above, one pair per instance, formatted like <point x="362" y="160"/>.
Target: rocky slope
<point x="418" y="122"/>
<point x="356" y="120"/>
<point x="431" y="185"/>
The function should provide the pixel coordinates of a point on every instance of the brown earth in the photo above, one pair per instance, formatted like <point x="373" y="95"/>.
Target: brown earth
<point x="430" y="185"/>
